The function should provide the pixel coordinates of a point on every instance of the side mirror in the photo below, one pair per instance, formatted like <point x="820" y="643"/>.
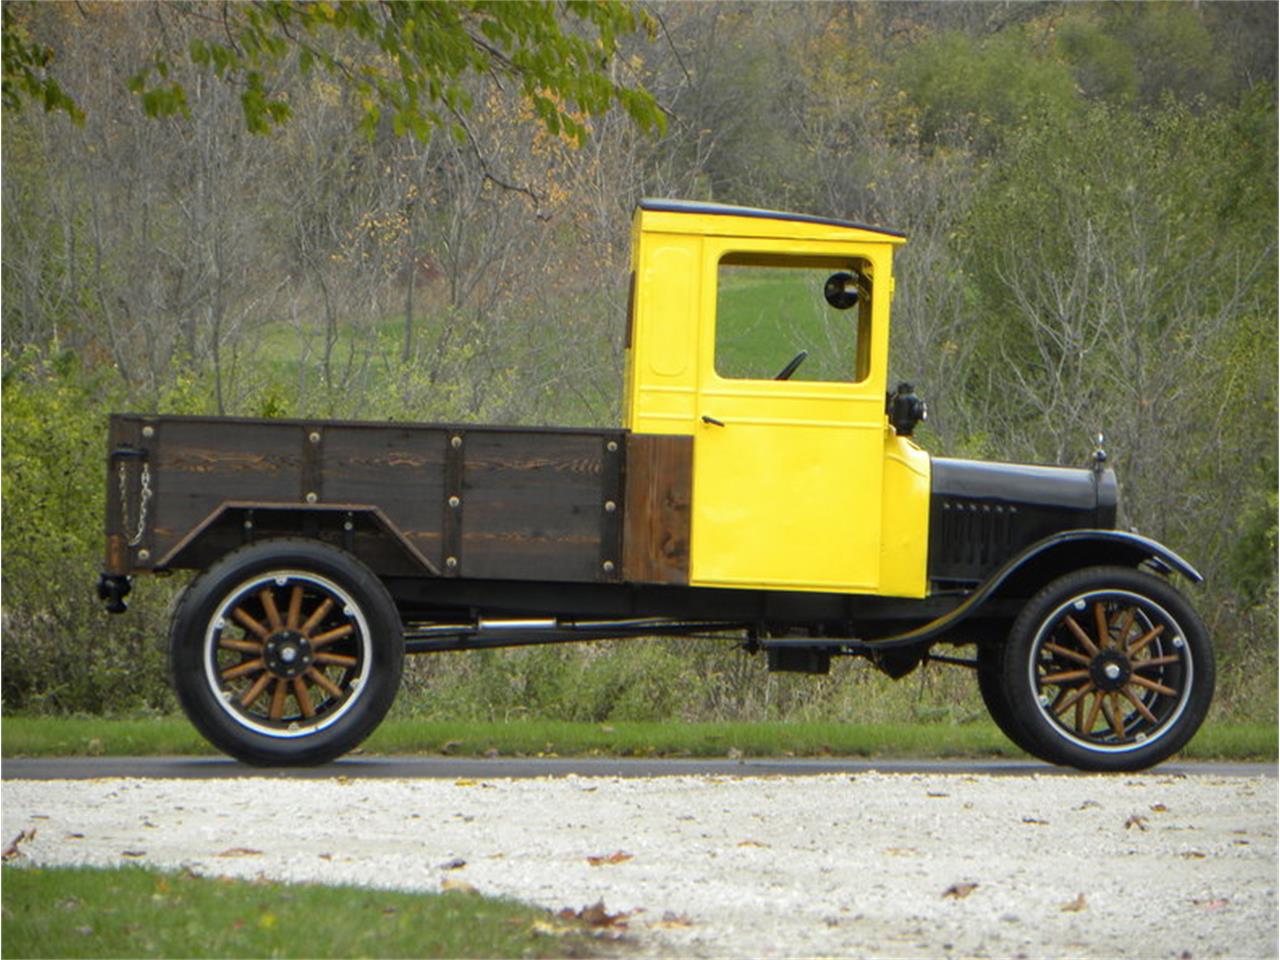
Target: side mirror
<point x="841" y="290"/>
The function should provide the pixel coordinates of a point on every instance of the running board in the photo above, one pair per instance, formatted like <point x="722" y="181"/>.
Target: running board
<point x="489" y="633"/>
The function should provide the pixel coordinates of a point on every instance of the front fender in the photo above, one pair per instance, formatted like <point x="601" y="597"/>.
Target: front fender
<point x="1043" y="561"/>
<point x="1133" y="550"/>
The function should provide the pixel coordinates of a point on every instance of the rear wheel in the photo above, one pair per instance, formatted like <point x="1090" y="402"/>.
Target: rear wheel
<point x="1107" y="669"/>
<point x="288" y="652"/>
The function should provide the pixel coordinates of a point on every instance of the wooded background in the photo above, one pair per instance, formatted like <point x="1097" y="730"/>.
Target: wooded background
<point x="198" y="221"/>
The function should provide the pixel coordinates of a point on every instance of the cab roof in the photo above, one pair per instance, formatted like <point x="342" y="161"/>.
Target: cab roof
<point x="698" y="208"/>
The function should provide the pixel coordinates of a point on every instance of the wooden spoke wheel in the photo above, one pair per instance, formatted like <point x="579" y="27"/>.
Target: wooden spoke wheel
<point x="286" y="652"/>
<point x="1107" y="669"/>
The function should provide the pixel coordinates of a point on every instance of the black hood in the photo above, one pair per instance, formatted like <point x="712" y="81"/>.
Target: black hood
<point x="981" y="514"/>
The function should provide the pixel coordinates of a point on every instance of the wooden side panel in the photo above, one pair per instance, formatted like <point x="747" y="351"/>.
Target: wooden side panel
<point x="658" y="499"/>
<point x="473" y="501"/>
<point x="198" y="464"/>
<point x="533" y="505"/>
<point x="398" y="469"/>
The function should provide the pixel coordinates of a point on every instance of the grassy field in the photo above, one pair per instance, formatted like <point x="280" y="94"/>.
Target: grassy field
<point x="137" y="912"/>
<point x="767" y="315"/>
<point x="74" y="736"/>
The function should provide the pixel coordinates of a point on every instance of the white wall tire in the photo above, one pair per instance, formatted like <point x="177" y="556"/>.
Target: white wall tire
<point x="286" y="652"/>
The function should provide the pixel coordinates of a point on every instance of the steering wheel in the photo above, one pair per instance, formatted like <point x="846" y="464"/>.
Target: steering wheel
<point x="786" y="372"/>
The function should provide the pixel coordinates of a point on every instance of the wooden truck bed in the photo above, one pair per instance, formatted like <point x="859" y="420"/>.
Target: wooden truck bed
<point x="408" y="499"/>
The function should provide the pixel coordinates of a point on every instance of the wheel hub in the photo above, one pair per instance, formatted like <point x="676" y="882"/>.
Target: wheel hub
<point x="288" y="654"/>
<point x="1110" y="671"/>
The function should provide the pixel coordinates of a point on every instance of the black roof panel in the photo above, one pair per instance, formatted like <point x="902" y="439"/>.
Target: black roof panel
<point x="725" y="210"/>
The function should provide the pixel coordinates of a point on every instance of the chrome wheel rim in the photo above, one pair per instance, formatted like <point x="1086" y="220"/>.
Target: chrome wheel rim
<point x="287" y="653"/>
<point x="1111" y="671"/>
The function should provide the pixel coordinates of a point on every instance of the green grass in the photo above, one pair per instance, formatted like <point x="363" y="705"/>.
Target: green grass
<point x="765" y="315"/>
<point x="137" y="912"/>
<point x="73" y="736"/>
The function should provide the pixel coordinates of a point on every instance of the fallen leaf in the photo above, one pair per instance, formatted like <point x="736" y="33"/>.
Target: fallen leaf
<point x="902" y="851"/>
<point x="958" y="891"/>
<point x="454" y="885"/>
<point x="936" y="794"/>
<point x="464" y="782"/>
<point x="1136" y="821"/>
<point x="456" y="864"/>
<point x="133" y="853"/>
<point x="1159" y="808"/>
<point x="239" y="852"/>
<point x="618" y="856"/>
<point x="1088" y="804"/>
<point x="1214" y="905"/>
<point x="11" y="851"/>
<point x="1193" y="855"/>
<point x="1076" y="905"/>
<point x="751" y="843"/>
<point x="595" y="916"/>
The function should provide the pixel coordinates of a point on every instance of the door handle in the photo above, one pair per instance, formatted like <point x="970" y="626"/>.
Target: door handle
<point x="712" y="421"/>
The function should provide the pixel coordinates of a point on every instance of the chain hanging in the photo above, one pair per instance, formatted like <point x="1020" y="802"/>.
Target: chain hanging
<point x="144" y="497"/>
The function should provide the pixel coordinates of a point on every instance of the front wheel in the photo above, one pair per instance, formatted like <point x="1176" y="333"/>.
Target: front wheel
<point x="1107" y="669"/>
<point x="991" y="687"/>
<point x="287" y="652"/>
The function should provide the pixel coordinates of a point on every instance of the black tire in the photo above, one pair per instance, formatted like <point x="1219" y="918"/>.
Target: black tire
<point x="286" y="653"/>
<point x="991" y="686"/>
<point x="1107" y="669"/>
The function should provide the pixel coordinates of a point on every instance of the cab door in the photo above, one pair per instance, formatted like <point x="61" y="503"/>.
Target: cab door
<point x="788" y="448"/>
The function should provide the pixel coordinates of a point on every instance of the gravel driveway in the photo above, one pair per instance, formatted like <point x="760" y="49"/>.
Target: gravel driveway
<point x="891" y="865"/>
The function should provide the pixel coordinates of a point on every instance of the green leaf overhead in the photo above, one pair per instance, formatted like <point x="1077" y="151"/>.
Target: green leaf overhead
<point x="407" y="62"/>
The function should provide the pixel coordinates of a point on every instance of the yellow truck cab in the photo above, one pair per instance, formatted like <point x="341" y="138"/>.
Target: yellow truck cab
<point x="765" y="337"/>
<point x="764" y="486"/>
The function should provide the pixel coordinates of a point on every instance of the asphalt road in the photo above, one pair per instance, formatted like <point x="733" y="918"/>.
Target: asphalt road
<point x="446" y="768"/>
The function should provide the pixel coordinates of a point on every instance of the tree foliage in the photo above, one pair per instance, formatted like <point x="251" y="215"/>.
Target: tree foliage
<point x="407" y="60"/>
<point x="27" y="66"/>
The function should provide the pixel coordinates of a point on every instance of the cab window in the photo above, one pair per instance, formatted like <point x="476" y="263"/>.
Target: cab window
<point x="793" y="318"/>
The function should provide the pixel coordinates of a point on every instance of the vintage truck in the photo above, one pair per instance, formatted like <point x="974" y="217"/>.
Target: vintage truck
<point x="764" y="486"/>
